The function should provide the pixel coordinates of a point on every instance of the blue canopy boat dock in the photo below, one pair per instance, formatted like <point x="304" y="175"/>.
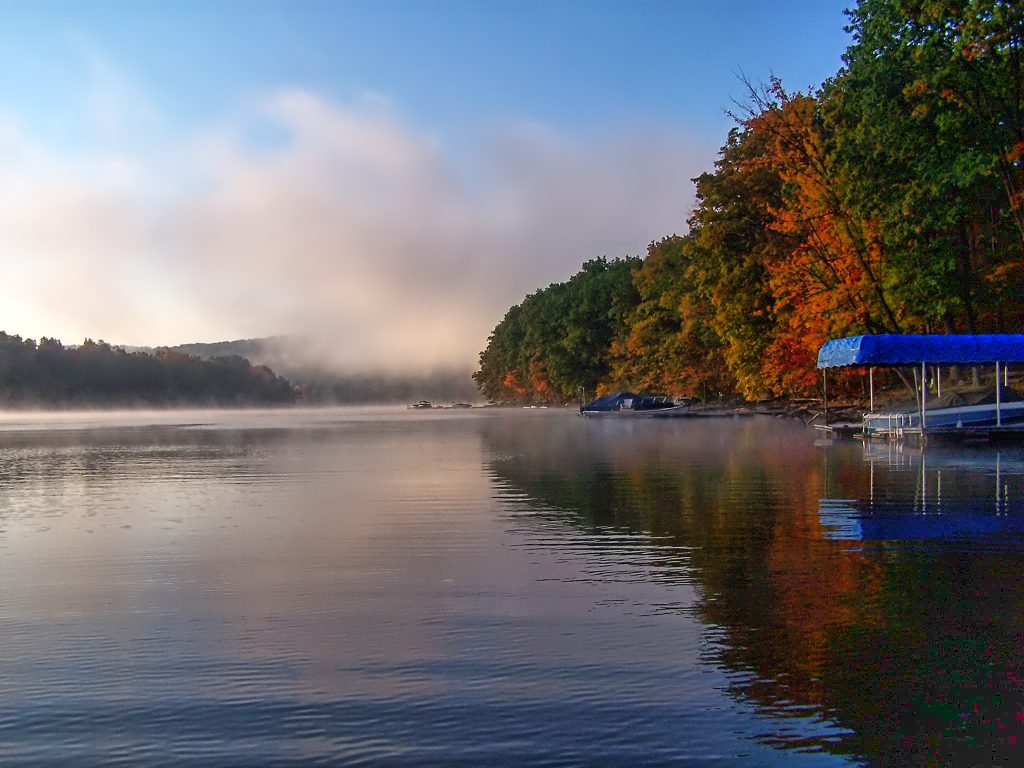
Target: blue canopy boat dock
<point x="983" y="421"/>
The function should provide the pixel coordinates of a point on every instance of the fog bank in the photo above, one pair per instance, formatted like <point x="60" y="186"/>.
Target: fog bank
<point x="341" y="223"/>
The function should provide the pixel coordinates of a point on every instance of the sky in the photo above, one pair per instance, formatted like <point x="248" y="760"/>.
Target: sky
<point x="383" y="177"/>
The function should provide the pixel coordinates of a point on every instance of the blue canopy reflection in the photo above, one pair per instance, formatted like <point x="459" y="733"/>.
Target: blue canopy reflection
<point x="918" y="496"/>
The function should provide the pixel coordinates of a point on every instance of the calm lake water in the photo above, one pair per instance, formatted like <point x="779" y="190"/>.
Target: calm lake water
<point x="398" y="588"/>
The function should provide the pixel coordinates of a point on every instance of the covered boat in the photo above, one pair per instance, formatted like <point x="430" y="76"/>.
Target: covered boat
<point x="630" y="404"/>
<point x="953" y="410"/>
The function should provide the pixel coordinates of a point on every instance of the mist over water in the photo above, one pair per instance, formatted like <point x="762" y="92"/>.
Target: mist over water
<point x="322" y="378"/>
<point x="386" y="587"/>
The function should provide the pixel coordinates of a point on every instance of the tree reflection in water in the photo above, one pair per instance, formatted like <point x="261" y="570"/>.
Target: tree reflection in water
<point x="877" y="591"/>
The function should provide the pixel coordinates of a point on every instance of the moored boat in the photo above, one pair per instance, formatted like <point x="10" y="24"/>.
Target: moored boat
<point x="953" y="410"/>
<point x="630" y="404"/>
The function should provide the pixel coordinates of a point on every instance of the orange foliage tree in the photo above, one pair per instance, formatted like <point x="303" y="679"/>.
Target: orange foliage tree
<point x="828" y="276"/>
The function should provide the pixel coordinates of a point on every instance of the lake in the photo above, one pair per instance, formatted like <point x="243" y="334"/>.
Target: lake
<point x="489" y="587"/>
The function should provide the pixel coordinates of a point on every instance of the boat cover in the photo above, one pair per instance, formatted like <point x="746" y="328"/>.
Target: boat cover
<point x="985" y="396"/>
<point x="907" y="349"/>
<point x="609" y="402"/>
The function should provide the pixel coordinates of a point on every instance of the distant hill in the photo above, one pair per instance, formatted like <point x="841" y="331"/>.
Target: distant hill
<point x="320" y="383"/>
<point x="253" y="350"/>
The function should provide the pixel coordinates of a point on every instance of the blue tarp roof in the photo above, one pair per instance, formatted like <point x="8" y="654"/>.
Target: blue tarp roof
<point x="906" y="349"/>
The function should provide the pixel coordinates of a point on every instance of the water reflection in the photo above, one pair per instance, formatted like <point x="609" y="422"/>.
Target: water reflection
<point x="973" y="494"/>
<point x="868" y="601"/>
<point x="250" y="592"/>
<point x="342" y="589"/>
<point x="502" y="588"/>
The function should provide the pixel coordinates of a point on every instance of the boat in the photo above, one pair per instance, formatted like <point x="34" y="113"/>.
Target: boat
<point x="630" y="404"/>
<point x="422" y="404"/>
<point x="953" y="410"/>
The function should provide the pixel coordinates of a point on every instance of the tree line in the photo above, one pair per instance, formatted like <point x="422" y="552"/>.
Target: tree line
<point x="889" y="200"/>
<point x="47" y="373"/>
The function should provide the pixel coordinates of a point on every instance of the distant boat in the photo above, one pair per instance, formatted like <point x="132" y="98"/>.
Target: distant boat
<point x="629" y="404"/>
<point x="461" y="405"/>
<point x="422" y="404"/>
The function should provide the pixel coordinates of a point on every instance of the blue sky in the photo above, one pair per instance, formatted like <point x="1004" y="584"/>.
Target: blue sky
<point x="473" y="151"/>
<point x="450" y="66"/>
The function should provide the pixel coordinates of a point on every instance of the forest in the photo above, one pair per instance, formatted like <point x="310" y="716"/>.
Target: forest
<point x="48" y="374"/>
<point x="889" y="200"/>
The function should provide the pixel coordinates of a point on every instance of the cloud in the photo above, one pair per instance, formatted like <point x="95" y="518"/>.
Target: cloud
<point x="340" y="222"/>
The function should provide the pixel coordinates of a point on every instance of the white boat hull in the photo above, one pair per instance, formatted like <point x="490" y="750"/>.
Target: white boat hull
<point x="954" y="417"/>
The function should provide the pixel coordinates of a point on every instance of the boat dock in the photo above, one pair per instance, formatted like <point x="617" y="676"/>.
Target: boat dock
<point x="997" y="415"/>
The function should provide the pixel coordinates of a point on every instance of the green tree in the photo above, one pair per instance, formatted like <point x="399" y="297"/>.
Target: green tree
<point x="558" y="340"/>
<point x="732" y="246"/>
<point x="669" y="344"/>
<point x="928" y="128"/>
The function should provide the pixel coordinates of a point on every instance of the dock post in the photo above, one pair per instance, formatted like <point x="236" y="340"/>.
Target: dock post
<point x="999" y="416"/>
<point x="871" y="389"/>
<point x="824" y="392"/>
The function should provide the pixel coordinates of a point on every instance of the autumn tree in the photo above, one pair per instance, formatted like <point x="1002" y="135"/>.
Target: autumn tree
<point x="732" y="245"/>
<point x="669" y="344"/>
<point x="928" y="123"/>
<point x="890" y="200"/>
<point x="557" y="342"/>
